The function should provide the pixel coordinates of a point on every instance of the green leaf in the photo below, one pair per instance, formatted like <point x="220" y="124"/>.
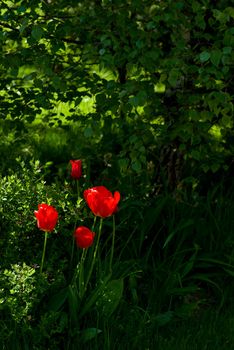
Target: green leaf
<point x="227" y="121"/>
<point x="184" y="291"/>
<point x="139" y="99"/>
<point x="180" y="227"/>
<point x="110" y="297"/>
<point x="200" y="22"/>
<point x="88" y="334"/>
<point x="93" y="297"/>
<point x="215" y="57"/>
<point x="204" y="56"/>
<point x="123" y="164"/>
<point x="215" y="167"/>
<point x="23" y="26"/>
<point x="101" y="52"/>
<point x="173" y="77"/>
<point x="58" y="300"/>
<point x="136" y="166"/>
<point x="230" y="11"/>
<point x="222" y="17"/>
<point x="164" y="318"/>
<point x="227" y="50"/>
<point x="159" y="88"/>
<point x="196" y="154"/>
<point x="229" y="272"/>
<point x="88" y="132"/>
<point x="73" y="300"/>
<point x="37" y="32"/>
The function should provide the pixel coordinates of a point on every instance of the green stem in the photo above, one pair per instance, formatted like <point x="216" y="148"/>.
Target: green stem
<point x="72" y="252"/>
<point x="94" y="222"/>
<point x="73" y="241"/>
<point x="81" y="273"/>
<point x="94" y="255"/>
<point x="78" y="190"/>
<point x="112" y="246"/>
<point x="44" y="249"/>
<point x="91" y="249"/>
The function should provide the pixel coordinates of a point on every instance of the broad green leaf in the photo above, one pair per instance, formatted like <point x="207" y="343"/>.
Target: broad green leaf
<point x="88" y="334"/>
<point x="123" y="164"/>
<point x="88" y="132"/>
<point x="94" y="296"/>
<point x="37" y="32"/>
<point x="229" y="272"/>
<point x="227" y="50"/>
<point x="188" y="267"/>
<point x="199" y="19"/>
<point x="215" y="167"/>
<point x="173" y="77"/>
<point x="196" y="154"/>
<point x="180" y="227"/>
<point x="159" y="87"/>
<point x="221" y="16"/>
<point x="215" y="57"/>
<point x="101" y="52"/>
<point x="139" y="99"/>
<point x="110" y="297"/>
<point x="227" y="121"/>
<point x="162" y="319"/>
<point x="73" y="300"/>
<point x="184" y="290"/>
<point x="230" y="11"/>
<point x="204" y="56"/>
<point x="136" y="165"/>
<point x="23" y="26"/>
<point x="57" y="301"/>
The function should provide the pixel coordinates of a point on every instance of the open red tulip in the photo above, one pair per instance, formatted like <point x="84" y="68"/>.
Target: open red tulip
<point x="76" y="168"/>
<point x="84" y="237"/>
<point x="47" y="217"/>
<point x="101" y="201"/>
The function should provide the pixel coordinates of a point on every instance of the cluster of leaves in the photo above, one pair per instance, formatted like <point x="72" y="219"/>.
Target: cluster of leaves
<point x="158" y="72"/>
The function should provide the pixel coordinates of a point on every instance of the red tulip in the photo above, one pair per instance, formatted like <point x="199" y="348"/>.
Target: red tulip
<point x="76" y="168"/>
<point x="101" y="201"/>
<point x="47" y="217"/>
<point x="84" y="237"/>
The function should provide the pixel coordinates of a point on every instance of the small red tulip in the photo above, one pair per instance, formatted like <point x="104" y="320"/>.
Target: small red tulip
<point x="47" y="217"/>
<point x="84" y="237"/>
<point x="76" y="168"/>
<point x="101" y="201"/>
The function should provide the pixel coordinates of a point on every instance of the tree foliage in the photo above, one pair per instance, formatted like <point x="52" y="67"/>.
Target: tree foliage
<point x="158" y="77"/>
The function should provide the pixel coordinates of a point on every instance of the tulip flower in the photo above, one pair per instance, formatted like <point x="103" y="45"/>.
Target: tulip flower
<point x="76" y="169"/>
<point x="84" y="237"/>
<point x="101" y="201"/>
<point x="47" y="217"/>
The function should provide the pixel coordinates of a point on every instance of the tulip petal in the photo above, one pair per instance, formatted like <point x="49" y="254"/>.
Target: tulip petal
<point x="101" y="201"/>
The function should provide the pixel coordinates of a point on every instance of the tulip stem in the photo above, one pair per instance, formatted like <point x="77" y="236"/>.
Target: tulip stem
<point x="78" y="190"/>
<point x="112" y="246"/>
<point x="72" y="252"/>
<point x="81" y="273"/>
<point x="44" y="249"/>
<point x="94" y="255"/>
<point x="73" y="241"/>
<point x="94" y="222"/>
